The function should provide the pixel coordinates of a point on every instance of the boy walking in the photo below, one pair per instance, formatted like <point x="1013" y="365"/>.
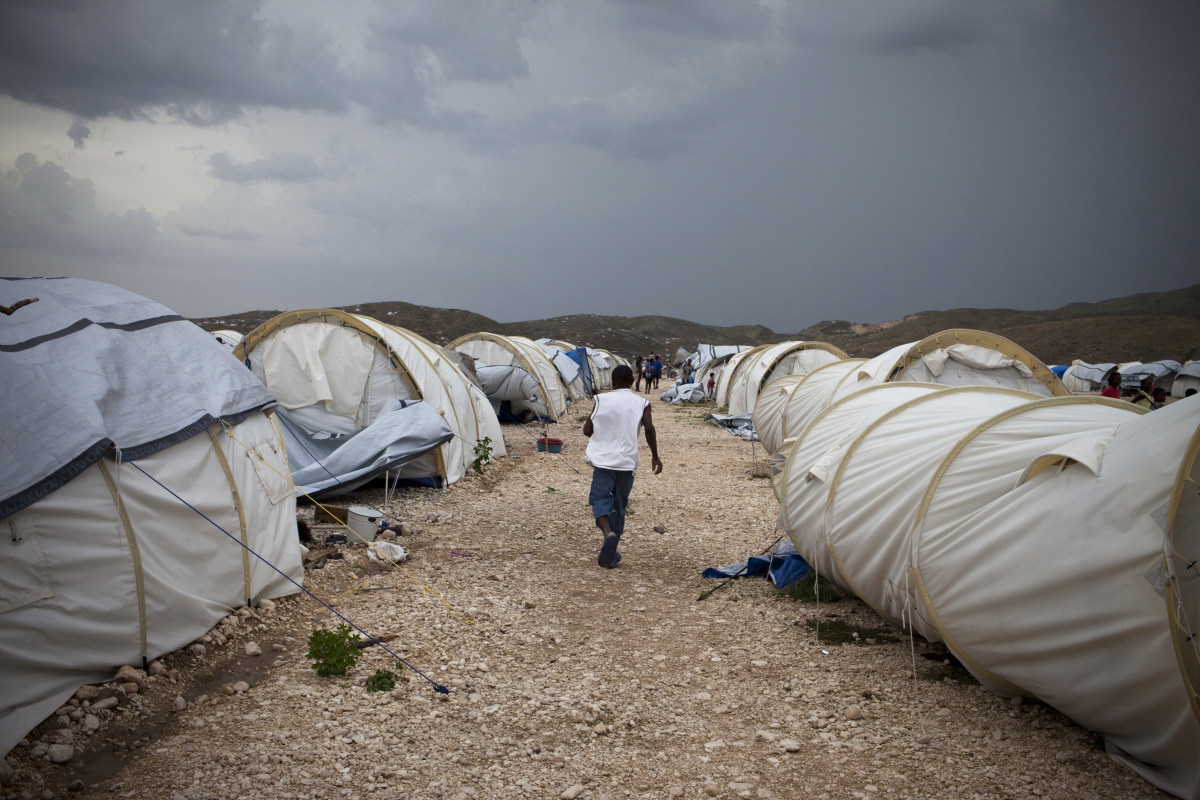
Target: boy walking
<point x="612" y="452"/>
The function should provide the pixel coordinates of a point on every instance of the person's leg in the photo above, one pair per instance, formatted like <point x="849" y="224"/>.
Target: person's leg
<point x="602" y="498"/>
<point x="622" y="486"/>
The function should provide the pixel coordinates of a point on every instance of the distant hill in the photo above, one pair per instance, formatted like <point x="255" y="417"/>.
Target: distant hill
<point x="1143" y="327"/>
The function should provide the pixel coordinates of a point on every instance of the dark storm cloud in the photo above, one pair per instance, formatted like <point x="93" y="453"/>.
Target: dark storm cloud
<point x="78" y="133"/>
<point x="447" y="42"/>
<point x="43" y="208"/>
<point x="279" y="167"/>
<point x="719" y="20"/>
<point x="202" y="62"/>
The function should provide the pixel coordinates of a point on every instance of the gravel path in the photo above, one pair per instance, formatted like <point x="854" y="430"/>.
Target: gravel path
<point x="566" y="680"/>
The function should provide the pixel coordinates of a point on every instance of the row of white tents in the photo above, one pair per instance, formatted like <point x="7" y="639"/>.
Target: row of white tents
<point x="1173" y="377"/>
<point x="1049" y="540"/>
<point x="139" y="447"/>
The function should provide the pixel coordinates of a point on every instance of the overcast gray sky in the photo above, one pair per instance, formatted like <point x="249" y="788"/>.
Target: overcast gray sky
<point x="725" y="161"/>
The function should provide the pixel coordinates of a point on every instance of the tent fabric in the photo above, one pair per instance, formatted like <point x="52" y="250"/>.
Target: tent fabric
<point x="494" y="350"/>
<point x="569" y="370"/>
<point x="1162" y="372"/>
<point x="783" y="567"/>
<point x="726" y="373"/>
<point x="1098" y="603"/>
<point x="961" y="357"/>
<point x="684" y="393"/>
<point x="337" y="374"/>
<point x="739" y="425"/>
<point x="786" y="406"/>
<point x="100" y="568"/>
<point x="1084" y="377"/>
<point x="401" y="434"/>
<point x="1049" y="541"/>
<point x="774" y="360"/>
<point x="1188" y="377"/>
<point x="63" y="354"/>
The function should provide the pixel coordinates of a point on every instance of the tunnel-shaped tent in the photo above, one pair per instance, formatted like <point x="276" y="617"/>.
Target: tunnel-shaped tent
<point x="104" y="479"/>
<point x="1084" y="377"/>
<point x="1100" y="595"/>
<point x="1188" y="377"/>
<point x="785" y="406"/>
<point x="960" y="357"/>
<point x="341" y="375"/>
<point x="1051" y="543"/>
<point x="516" y="373"/>
<point x="771" y="361"/>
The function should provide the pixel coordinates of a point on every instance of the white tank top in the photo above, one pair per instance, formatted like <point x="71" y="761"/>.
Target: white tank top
<point x="615" y="423"/>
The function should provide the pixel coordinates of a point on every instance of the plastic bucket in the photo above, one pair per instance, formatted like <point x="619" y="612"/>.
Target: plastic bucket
<point x="553" y="445"/>
<point x="364" y="521"/>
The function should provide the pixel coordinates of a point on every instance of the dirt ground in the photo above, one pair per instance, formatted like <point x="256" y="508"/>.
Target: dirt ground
<point x="565" y="680"/>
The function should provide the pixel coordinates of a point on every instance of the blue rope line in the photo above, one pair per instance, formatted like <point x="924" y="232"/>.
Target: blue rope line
<point x="440" y="689"/>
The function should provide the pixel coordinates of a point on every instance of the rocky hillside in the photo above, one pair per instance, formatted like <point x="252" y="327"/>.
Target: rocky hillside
<point x="1143" y="327"/>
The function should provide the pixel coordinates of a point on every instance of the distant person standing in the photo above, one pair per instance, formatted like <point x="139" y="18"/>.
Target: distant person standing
<point x="712" y="382"/>
<point x="637" y="371"/>
<point x="1113" y="389"/>
<point x="612" y="452"/>
<point x="656" y="370"/>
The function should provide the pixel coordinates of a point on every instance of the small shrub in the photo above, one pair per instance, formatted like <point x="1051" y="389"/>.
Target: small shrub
<point x="806" y="589"/>
<point x="383" y="680"/>
<point x="946" y="669"/>
<point x="333" y="652"/>
<point x="834" y="631"/>
<point x="483" y="453"/>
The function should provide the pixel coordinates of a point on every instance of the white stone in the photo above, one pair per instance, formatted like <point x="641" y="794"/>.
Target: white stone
<point x="252" y="649"/>
<point x="60" y="753"/>
<point x="571" y="792"/>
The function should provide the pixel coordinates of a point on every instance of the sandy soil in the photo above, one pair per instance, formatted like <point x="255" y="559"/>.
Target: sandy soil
<point x="566" y="680"/>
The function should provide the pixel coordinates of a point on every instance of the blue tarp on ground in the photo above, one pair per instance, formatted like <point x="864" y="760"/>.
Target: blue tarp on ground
<point x="784" y="567"/>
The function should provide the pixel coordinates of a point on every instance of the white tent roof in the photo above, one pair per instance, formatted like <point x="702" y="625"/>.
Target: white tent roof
<point x="775" y="360"/>
<point x="961" y="357"/>
<point x="1084" y="377"/>
<point x="494" y="350"/>
<point x="338" y="373"/>
<point x="62" y="356"/>
<point x="785" y="411"/>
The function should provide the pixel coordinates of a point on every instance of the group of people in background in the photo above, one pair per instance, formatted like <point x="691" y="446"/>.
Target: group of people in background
<point x="649" y="370"/>
<point x="1147" y="396"/>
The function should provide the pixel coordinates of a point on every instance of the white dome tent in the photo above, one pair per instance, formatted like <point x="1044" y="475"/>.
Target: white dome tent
<point x="515" y="371"/>
<point x="1083" y="377"/>
<point x="103" y="482"/>
<point x="960" y="357"/>
<point x="787" y="405"/>
<point x="1188" y="377"/>
<point x="774" y="361"/>
<point x="340" y="375"/>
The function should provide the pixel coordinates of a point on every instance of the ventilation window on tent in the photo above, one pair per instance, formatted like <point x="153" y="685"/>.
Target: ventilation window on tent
<point x="24" y="577"/>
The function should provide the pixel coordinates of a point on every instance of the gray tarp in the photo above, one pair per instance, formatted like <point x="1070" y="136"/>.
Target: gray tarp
<point x="60" y="368"/>
<point x="512" y="385"/>
<point x="338" y="464"/>
<point x="738" y="424"/>
<point x="685" y="393"/>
